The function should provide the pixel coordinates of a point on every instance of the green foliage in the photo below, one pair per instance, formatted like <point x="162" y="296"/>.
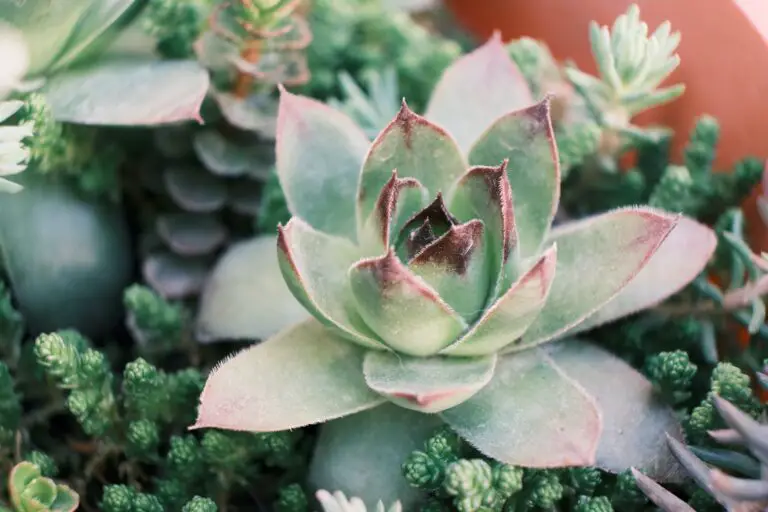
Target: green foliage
<point x="672" y="373"/>
<point x="155" y="321"/>
<point x="596" y="504"/>
<point x="292" y="498"/>
<point x="10" y="403"/>
<point x="198" y="504"/>
<point x="121" y="498"/>
<point x="542" y="489"/>
<point x="626" y="495"/>
<point x="583" y="481"/>
<point x="273" y="209"/>
<point x="30" y="491"/>
<point x="176" y="24"/>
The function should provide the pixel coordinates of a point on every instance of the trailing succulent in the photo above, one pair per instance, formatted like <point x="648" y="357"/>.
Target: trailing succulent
<point x="430" y="264"/>
<point x="30" y="491"/>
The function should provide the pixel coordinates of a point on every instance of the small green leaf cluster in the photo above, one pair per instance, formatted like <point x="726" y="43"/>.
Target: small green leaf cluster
<point x="291" y="498"/>
<point x="154" y="321"/>
<point x="176" y="24"/>
<point x="10" y="407"/>
<point x="672" y="374"/>
<point x="31" y="491"/>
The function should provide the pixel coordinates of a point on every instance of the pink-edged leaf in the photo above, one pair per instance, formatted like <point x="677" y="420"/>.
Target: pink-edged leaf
<point x="302" y="376"/>
<point x="509" y="317"/>
<point x="659" y="495"/>
<point x="129" y="93"/>
<point x="22" y="474"/>
<point x="245" y="296"/>
<point x="531" y="414"/>
<point x="525" y="138"/>
<point x="315" y="266"/>
<point x="399" y="200"/>
<point x="475" y="90"/>
<point x="456" y="266"/>
<point x="404" y="311"/>
<point x="427" y="384"/>
<point x="416" y="148"/>
<point x="484" y="193"/>
<point x="386" y="435"/>
<point x="319" y="152"/>
<point x="680" y="258"/>
<point x="596" y="258"/>
<point x="635" y="419"/>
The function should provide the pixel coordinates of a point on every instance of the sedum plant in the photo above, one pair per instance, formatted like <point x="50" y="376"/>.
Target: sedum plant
<point x="13" y="152"/>
<point x="428" y="261"/>
<point x="338" y="502"/>
<point x="30" y="491"/>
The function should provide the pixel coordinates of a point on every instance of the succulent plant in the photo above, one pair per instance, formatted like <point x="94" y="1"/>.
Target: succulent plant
<point x="32" y="492"/>
<point x="13" y="153"/>
<point x="435" y="287"/>
<point x="338" y="502"/>
<point x="736" y="494"/>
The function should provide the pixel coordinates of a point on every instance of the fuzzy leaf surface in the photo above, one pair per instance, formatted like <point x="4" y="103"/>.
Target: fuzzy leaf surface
<point x="302" y="376"/>
<point x="416" y="148"/>
<point x="530" y="414"/>
<point x="245" y="296"/>
<point x="315" y="266"/>
<point x="319" y="152"/>
<point x="659" y="495"/>
<point x="405" y="312"/>
<point x="525" y="138"/>
<point x="475" y="90"/>
<point x="596" y="258"/>
<point x="635" y="419"/>
<point x="679" y="259"/>
<point x="129" y="93"/>
<point x="427" y="384"/>
<point x="511" y="315"/>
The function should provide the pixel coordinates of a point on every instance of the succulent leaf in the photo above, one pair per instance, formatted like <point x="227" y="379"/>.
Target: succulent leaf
<point x="456" y="266"/>
<point x="23" y="474"/>
<point x="129" y="93"/>
<point x="402" y="309"/>
<point x="474" y="90"/>
<point x="659" y="495"/>
<point x="427" y="384"/>
<point x="511" y="315"/>
<point x="319" y="152"/>
<point x="416" y="148"/>
<point x="525" y="139"/>
<point x="318" y="375"/>
<point x="315" y="267"/>
<point x="246" y="297"/>
<point x="38" y="495"/>
<point x="530" y="414"/>
<point x="484" y="193"/>
<point x="634" y="417"/>
<point x="677" y="261"/>
<point x="596" y="258"/>
<point x="66" y="500"/>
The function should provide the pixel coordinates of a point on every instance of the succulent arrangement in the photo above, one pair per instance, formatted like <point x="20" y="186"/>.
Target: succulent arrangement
<point x="465" y="295"/>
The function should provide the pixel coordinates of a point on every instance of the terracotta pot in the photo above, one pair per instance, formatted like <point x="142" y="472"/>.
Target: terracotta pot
<point x="724" y="53"/>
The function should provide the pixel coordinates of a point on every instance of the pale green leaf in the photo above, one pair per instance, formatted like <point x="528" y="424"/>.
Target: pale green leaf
<point x="531" y="414"/>
<point x="319" y="154"/>
<point x="22" y="474"/>
<point x="304" y="375"/>
<point x="129" y="93"/>
<point x="476" y="90"/>
<point x="405" y="312"/>
<point x="681" y="257"/>
<point x="635" y="419"/>
<point x="596" y="258"/>
<point x="315" y="266"/>
<point x="245" y="296"/>
<point x="511" y="315"/>
<point x="416" y="148"/>
<point x="38" y="496"/>
<point x="427" y="384"/>
<point x="66" y="500"/>
<point x="361" y="455"/>
<point x="526" y="139"/>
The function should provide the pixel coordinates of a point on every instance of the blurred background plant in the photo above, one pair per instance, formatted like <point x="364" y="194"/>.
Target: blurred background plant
<point x="104" y="409"/>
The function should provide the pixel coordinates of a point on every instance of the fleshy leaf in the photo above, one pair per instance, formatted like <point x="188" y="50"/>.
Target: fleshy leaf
<point x="398" y="201"/>
<point x="191" y="234"/>
<point x="456" y="266"/>
<point x="596" y="258"/>
<point x="195" y="189"/>
<point x="386" y="435"/>
<point x="415" y="147"/>
<point x="319" y="153"/>
<point x="475" y="90"/>
<point x="526" y="139"/>
<point x="315" y="266"/>
<point x="21" y="476"/>
<point x="531" y="414"/>
<point x="174" y="276"/>
<point x="226" y="157"/>
<point x="659" y="495"/>
<point x="427" y="384"/>
<point x="634" y="417"/>
<point x="129" y="93"/>
<point x="66" y="500"/>
<point x="38" y="495"/>
<point x="302" y="376"/>
<point x="484" y="193"/>
<point x="406" y="313"/>
<point x="507" y="319"/>
<point x="246" y="297"/>
<point x="679" y="259"/>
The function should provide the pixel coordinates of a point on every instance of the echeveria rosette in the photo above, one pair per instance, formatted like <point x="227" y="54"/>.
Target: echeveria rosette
<point x="428" y="261"/>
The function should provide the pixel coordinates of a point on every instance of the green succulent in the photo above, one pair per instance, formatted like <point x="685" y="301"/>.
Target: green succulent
<point x="428" y="261"/>
<point x="338" y="502"/>
<point x="32" y="492"/>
